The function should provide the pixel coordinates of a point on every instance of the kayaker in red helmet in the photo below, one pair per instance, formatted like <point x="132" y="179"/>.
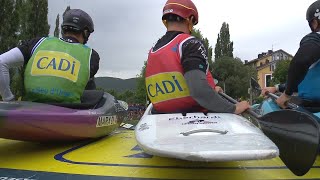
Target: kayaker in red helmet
<point x="177" y="72"/>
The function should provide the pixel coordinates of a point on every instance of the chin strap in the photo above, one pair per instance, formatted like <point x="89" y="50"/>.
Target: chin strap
<point x="190" y="27"/>
<point x="85" y="35"/>
<point x="316" y="29"/>
<point x="310" y="22"/>
<point x="190" y="24"/>
<point x="165" y="23"/>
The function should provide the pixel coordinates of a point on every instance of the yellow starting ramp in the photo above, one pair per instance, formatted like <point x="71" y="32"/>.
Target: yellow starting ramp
<point x="118" y="157"/>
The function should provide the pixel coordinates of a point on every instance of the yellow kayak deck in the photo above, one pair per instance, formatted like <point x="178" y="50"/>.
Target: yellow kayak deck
<point x="118" y="157"/>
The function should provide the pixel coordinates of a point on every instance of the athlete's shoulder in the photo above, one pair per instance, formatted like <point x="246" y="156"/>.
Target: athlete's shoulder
<point x="27" y="46"/>
<point x="51" y="38"/>
<point x="95" y="54"/>
<point x="313" y="38"/>
<point x="30" y="42"/>
<point x="191" y="41"/>
<point x="195" y="45"/>
<point x="166" y="39"/>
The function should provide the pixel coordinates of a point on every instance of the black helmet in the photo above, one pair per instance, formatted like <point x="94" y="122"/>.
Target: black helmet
<point x="313" y="11"/>
<point x="79" y="21"/>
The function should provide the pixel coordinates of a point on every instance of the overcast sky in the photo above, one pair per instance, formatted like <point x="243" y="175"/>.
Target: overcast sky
<point x="125" y="29"/>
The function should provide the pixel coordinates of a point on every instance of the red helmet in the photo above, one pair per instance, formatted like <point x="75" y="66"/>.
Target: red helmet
<point x="182" y="8"/>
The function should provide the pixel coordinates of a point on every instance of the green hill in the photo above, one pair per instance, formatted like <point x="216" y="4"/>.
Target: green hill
<point x="109" y="83"/>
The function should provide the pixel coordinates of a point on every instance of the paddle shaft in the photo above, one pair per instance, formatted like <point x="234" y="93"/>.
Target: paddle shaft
<point x="250" y="111"/>
<point x="271" y="95"/>
<point x="274" y="97"/>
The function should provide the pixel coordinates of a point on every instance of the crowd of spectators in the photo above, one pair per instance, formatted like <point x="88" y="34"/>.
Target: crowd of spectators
<point x="135" y="111"/>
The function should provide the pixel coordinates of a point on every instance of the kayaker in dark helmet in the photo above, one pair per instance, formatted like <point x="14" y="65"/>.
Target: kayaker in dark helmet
<point x="177" y="71"/>
<point x="304" y="69"/>
<point x="56" y="70"/>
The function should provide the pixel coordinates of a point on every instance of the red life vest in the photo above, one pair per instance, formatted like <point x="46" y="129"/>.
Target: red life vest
<point x="165" y="83"/>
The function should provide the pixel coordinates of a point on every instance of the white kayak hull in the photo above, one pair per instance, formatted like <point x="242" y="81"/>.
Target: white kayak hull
<point x="215" y="137"/>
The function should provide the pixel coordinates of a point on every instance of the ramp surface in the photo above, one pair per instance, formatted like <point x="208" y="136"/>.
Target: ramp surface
<point x="118" y="157"/>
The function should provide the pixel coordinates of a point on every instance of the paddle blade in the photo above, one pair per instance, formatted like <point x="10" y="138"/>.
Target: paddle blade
<point x="254" y="84"/>
<point x="297" y="136"/>
<point x="255" y="88"/>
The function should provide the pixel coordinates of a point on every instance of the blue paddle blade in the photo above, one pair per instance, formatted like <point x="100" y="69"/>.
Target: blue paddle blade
<point x="296" y="134"/>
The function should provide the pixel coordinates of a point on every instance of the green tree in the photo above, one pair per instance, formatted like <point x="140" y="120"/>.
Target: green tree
<point x="32" y="18"/>
<point x="67" y="9"/>
<point x="24" y="19"/>
<point x="57" y="29"/>
<point x="224" y="47"/>
<point x="9" y="25"/>
<point x="113" y="93"/>
<point x="10" y="13"/>
<point x="141" y="92"/>
<point x="128" y="96"/>
<point x="281" y="72"/>
<point x="234" y="76"/>
<point x="38" y="18"/>
<point x="64" y="13"/>
<point x="22" y="8"/>
<point x="197" y="33"/>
